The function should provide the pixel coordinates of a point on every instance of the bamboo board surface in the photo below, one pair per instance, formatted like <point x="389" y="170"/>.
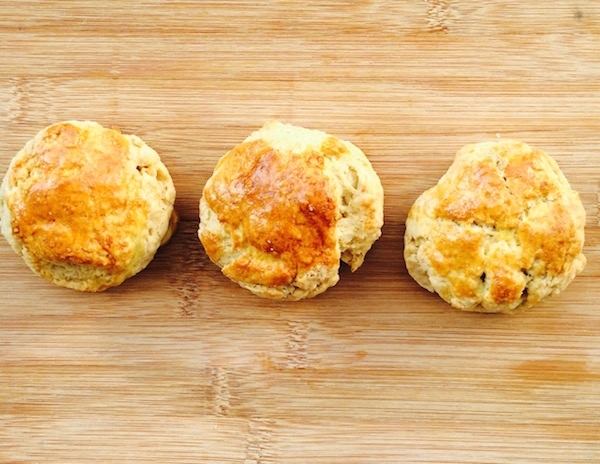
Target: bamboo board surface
<point x="180" y="365"/>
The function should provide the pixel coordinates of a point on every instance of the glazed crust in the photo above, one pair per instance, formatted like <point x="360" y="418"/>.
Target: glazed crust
<point x="501" y="231"/>
<point x="283" y="207"/>
<point x="86" y="206"/>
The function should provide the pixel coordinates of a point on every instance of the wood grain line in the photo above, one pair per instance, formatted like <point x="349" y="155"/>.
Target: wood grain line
<point x="17" y="99"/>
<point x="191" y="256"/>
<point x="220" y="391"/>
<point x="598" y="203"/>
<point x="258" y="441"/>
<point x="297" y="355"/>
<point x="438" y="15"/>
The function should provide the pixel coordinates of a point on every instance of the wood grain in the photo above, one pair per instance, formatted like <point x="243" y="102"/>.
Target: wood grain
<point x="180" y="365"/>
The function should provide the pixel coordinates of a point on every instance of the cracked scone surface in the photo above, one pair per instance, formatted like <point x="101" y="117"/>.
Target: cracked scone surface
<point x="501" y="231"/>
<point x="85" y="206"/>
<point x="285" y="206"/>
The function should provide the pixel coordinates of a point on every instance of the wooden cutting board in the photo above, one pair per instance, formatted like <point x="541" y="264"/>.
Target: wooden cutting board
<point x="180" y="365"/>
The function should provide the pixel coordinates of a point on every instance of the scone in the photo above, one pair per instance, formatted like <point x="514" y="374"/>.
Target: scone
<point x="501" y="231"/>
<point x="285" y="206"/>
<point x="85" y="206"/>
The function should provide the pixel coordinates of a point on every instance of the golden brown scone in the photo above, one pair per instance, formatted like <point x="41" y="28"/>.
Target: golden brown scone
<point x="86" y="207"/>
<point x="501" y="231"/>
<point x="283" y="207"/>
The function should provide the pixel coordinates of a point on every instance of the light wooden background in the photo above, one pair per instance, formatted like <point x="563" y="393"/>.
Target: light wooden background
<point x="179" y="365"/>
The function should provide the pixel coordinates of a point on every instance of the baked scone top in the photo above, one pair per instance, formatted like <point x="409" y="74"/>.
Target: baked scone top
<point x="501" y="230"/>
<point x="86" y="206"/>
<point x="292" y="220"/>
<point x="283" y="207"/>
